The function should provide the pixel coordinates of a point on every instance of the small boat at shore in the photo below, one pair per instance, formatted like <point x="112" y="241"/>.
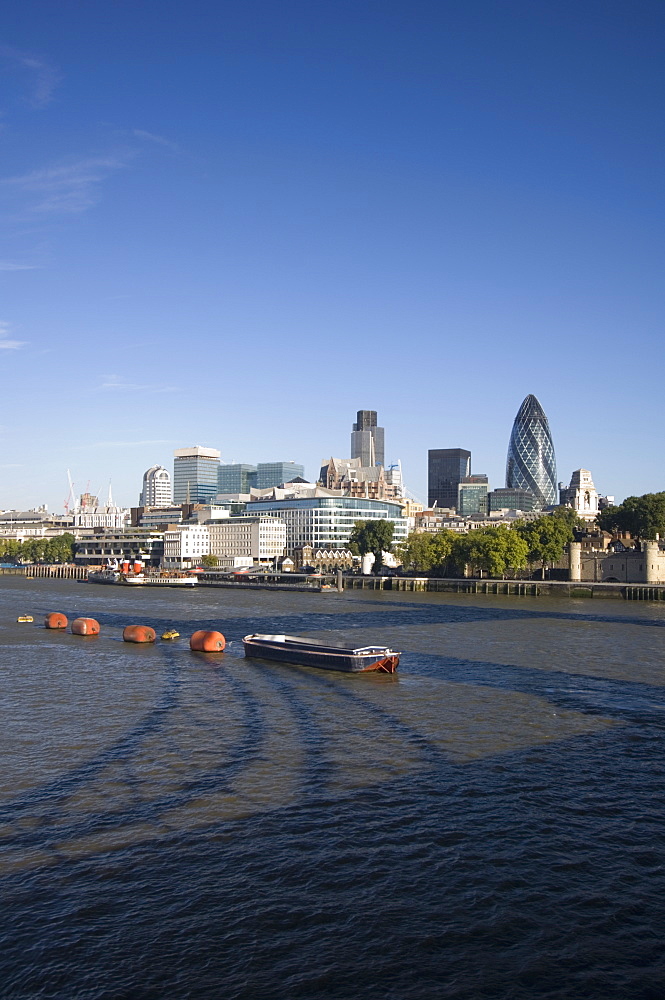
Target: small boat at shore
<point x="317" y="653"/>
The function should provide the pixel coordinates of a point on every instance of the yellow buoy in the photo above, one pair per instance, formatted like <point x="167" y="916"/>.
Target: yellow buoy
<point x="25" y="618"/>
<point x="170" y="634"/>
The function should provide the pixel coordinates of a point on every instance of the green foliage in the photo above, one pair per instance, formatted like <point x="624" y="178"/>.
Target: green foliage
<point x="209" y="561"/>
<point x="423" y="551"/>
<point x="59" y="549"/>
<point x="372" y="536"/>
<point x="495" y="550"/>
<point x="643" y="517"/>
<point x="546" y="537"/>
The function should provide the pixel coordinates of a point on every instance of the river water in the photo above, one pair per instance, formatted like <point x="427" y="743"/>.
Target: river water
<point x="488" y="823"/>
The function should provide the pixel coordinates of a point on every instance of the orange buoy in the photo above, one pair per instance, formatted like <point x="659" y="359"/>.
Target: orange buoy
<point x="85" y="626"/>
<point x="55" y="620"/>
<point x="207" y="642"/>
<point x="139" y="633"/>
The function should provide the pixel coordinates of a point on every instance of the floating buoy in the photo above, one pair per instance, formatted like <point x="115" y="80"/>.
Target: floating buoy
<point x="85" y="626"/>
<point x="55" y="620"/>
<point x="207" y="642"/>
<point x="25" y="618"/>
<point x="139" y="633"/>
<point x="170" y="634"/>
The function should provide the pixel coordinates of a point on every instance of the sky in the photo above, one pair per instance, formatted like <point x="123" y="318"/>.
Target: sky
<point x="235" y="224"/>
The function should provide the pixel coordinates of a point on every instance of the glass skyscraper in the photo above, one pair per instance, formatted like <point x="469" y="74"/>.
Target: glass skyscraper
<point x="195" y="474"/>
<point x="531" y="464"/>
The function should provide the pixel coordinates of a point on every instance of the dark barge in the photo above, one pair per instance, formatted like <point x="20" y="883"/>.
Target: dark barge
<point x="317" y="653"/>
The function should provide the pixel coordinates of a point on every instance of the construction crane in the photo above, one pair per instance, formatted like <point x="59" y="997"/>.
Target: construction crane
<point x="70" y="496"/>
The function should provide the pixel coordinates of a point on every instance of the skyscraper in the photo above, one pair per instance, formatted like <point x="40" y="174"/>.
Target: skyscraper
<point x="195" y="474"/>
<point x="531" y="464"/>
<point x="367" y="439"/>
<point x="156" y="490"/>
<point x="446" y="468"/>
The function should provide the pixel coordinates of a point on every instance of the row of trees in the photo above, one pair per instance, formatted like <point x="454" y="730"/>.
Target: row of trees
<point x="496" y="550"/>
<point x="59" y="549"/>
<point x="643" y="517"/>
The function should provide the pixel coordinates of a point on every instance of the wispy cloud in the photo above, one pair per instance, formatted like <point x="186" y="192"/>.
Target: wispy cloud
<point x="140" y="133"/>
<point x="67" y="187"/>
<point x="114" y="383"/>
<point x="44" y="78"/>
<point x="6" y="344"/>
<point x="13" y="265"/>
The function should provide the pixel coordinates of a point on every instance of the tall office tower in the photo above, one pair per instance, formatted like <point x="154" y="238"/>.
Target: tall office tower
<point x="367" y="439"/>
<point x="531" y="464"/>
<point x="446" y="468"/>
<point x="156" y="490"/>
<point x="275" y="473"/>
<point x="195" y="474"/>
<point x="237" y="477"/>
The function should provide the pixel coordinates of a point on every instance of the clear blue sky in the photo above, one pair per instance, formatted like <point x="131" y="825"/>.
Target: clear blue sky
<point x="234" y="224"/>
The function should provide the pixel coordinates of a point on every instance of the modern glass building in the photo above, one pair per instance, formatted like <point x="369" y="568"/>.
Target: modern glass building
<point x="195" y="474"/>
<point x="237" y="478"/>
<point x="512" y="499"/>
<point x="367" y="440"/>
<point x="446" y="468"/>
<point x="531" y="464"/>
<point x="472" y="495"/>
<point x="275" y="473"/>
<point x="327" y="522"/>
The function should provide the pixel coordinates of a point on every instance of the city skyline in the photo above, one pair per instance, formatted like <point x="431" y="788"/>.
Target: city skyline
<point x="208" y="217"/>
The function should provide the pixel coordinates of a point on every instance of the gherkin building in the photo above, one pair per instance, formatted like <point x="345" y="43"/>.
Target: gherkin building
<point x="531" y="463"/>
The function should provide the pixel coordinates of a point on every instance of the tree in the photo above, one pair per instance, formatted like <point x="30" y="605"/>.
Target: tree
<point x="209" y="561"/>
<point x="643" y="517"/>
<point x="424" y="551"/>
<point x="372" y="536"/>
<point x="496" y="550"/>
<point x="546" y="538"/>
<point x="60" y="548"/>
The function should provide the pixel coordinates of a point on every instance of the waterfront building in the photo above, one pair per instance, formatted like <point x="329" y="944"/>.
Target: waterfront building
<point x="581" y="495"/>
<point x="326" y="522"/>
<point x="248" y="540"/>
<point x="446" y="468"/>
<point x="195" y="474"/>
<point x="237" y="477"/>
<point x="109" y="516"/>
<point x="156" y="491"/>
<point x="531" y="464"/>
<point x="185" y="545"/>
<point x="472" y="495"/>
<point x="510" y="499"/>
<point x="107" y="545"/>
<point x="276" y="474"/>
<point x="367" y="440"/>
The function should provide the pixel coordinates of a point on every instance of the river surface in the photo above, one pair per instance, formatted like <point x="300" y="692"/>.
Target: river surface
<point x="488" y="823"/>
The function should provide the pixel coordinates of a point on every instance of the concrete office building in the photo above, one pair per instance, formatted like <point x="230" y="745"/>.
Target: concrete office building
<point x="367" y="440"/>
<point x="195" y="474"/>
<point x="531" y="464"/>
<point x="156" y="490"/>
<point x="446" y="468"/>
<point x="185" y="545"/>
<point x="248" y="540"/>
